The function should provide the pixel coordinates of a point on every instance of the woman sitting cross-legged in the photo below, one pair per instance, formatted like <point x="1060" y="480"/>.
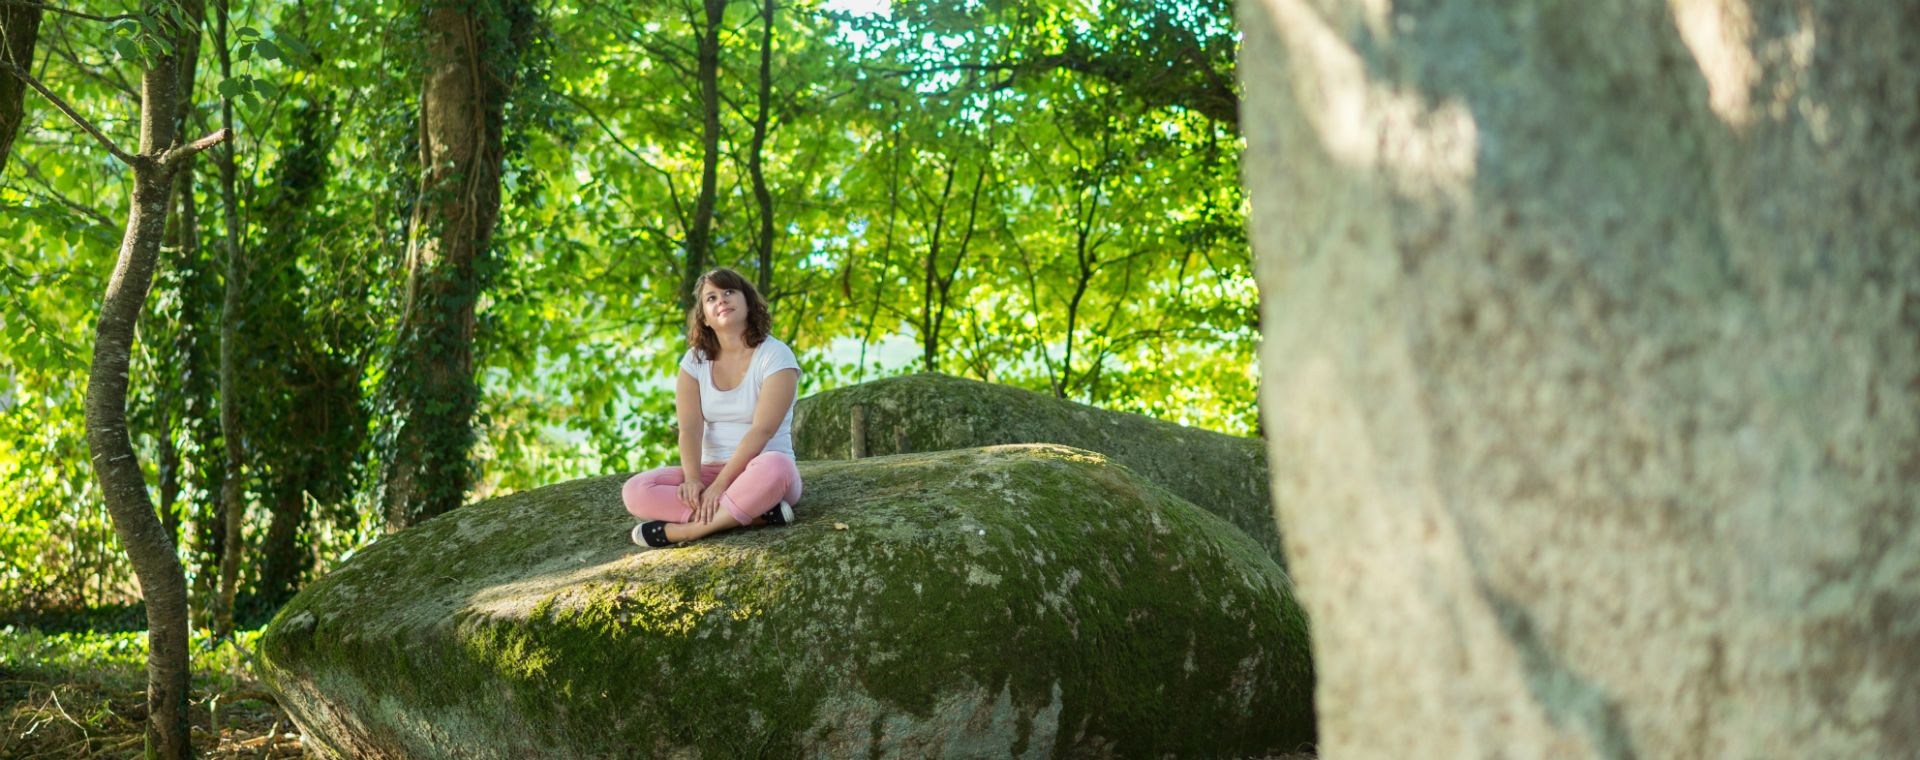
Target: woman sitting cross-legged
<point x="735" y="402"/>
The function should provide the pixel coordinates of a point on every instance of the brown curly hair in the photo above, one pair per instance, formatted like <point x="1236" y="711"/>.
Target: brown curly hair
<point x="759" y="319"/>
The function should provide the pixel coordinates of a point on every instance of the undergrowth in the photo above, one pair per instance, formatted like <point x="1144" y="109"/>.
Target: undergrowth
<point x="83" y="695"/>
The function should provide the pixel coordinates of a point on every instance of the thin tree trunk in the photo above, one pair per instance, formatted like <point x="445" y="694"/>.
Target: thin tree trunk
<point x="886" y="252"/>
<point x="1086" y="255"/>
<point x="756" y="155"/>
<point x="945" y="283"/>
<point x="431" y="373"/>
<point x="700" y="235"/>
<point x="163" y="584"/>
<point x="929" y="331"/>
<point x="116" y="465"/>
<point x="233" y="441"/>
<point x="21" y="27"/>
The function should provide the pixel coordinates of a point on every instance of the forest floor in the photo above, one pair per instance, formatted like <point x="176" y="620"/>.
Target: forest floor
<point x="83" y="695"/>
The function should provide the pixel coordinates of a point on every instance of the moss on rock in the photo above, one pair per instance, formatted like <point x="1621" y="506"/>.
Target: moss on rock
<point x="1021" y="601"/>
<point x="1223" y="474"/>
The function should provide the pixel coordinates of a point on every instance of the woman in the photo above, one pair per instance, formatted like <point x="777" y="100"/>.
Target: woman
<point x="735" y="403"/>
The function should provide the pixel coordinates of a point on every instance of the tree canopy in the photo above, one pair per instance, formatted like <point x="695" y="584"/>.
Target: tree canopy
<point x="1036" y="193"/>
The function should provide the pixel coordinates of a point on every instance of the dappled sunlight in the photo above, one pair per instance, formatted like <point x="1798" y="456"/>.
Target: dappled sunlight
<point x="1719" y="33"/>
<point x="1426" y="148"/>
<point x="516" y="598"/>
<point x="1753" y="73"/>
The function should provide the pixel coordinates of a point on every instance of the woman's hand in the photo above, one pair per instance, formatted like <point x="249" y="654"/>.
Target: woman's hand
<point x="709" y="504"/>
<point x="690" y="496"/>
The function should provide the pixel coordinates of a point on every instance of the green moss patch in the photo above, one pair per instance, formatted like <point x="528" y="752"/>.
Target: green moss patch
<point x="1025" y="601"/>
<point x="1223" y="474"/>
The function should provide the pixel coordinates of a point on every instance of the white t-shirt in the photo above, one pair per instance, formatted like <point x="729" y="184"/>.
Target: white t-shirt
<point x="729" y="413"/>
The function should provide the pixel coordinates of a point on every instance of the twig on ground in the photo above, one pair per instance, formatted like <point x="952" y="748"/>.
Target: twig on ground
<point x="54" y="695"/>
<point x="267" y="746"/>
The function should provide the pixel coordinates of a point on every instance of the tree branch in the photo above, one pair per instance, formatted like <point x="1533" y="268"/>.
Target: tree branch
<point x="51" y="194"/>
<point x="22" y="75"/>
<point x="673" y="194"/>
<point x="63" y="48"/>
<point x="181" y="153"/>
<point x="65" y="12"/>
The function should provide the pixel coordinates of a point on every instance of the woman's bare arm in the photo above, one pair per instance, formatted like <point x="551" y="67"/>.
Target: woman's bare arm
<point x="776" y="398"/>
<point x="693" y="426"/>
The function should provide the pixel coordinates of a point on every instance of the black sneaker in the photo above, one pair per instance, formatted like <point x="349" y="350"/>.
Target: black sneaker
<point x="781" y="514"/>
<point x="651" y="535"/>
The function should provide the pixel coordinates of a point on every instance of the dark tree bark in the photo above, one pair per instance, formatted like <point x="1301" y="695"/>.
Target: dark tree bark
<point x="937" y="290"/>
<point x="315" y="397"/>
<point x="20" y="28"/>
<point x="431" y="383"/>
<point x="1086" y="254"/>
<point x="756" y="165"/>
<point x="116" y="465"/>
<point x="929" y="332"/>
<point x="282" y="559"/>
<point x="700" y="234"/>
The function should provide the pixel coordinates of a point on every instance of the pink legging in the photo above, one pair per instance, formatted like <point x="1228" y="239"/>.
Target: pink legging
<point x="768" y="480"/>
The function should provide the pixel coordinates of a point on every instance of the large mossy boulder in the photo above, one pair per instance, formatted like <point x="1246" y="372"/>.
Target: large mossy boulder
<point x="1223" y="474"/>
<point x="1017" y="601"/>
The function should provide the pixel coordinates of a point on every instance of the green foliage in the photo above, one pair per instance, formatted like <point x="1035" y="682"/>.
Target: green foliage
<point x="1041" y="194"/>
<point x="80" y="695"/>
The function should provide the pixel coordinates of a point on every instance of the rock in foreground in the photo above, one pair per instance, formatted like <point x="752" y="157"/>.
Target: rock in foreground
<point x="1223" y="474"/>
<point x="1019" y="601"/>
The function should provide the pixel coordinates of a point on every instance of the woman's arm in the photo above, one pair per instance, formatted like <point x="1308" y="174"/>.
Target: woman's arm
<point x="686" y="407"/>
<point x="776" y="399"/>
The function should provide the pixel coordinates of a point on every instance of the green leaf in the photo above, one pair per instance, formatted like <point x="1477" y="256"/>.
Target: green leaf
<point x="268" y="50"/>
<point x="295" y="46"/>
<point x="125" y="48"/>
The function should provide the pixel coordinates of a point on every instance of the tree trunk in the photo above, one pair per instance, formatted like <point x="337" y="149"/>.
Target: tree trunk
<point x="163" y="585"/>
<point x="300" y="351"/>
<point x="116" y="466"/>
<point x="700" y="235"/>
<point x="19" y="29"/>
<point x="282" y="558"/>
<point x="756" y="161"/>
<point x="1591" y="371"/>
<point x="233" y="439"/>
<point x="929" y="328"/>
<point x="945" y="282"/>
<point x="431" y="373"/>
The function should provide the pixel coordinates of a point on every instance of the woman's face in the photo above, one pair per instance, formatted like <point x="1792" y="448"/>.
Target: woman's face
<point x="724" y="309"/>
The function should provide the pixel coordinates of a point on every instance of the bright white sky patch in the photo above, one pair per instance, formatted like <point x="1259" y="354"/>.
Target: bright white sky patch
<point x="882" y="8"/>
